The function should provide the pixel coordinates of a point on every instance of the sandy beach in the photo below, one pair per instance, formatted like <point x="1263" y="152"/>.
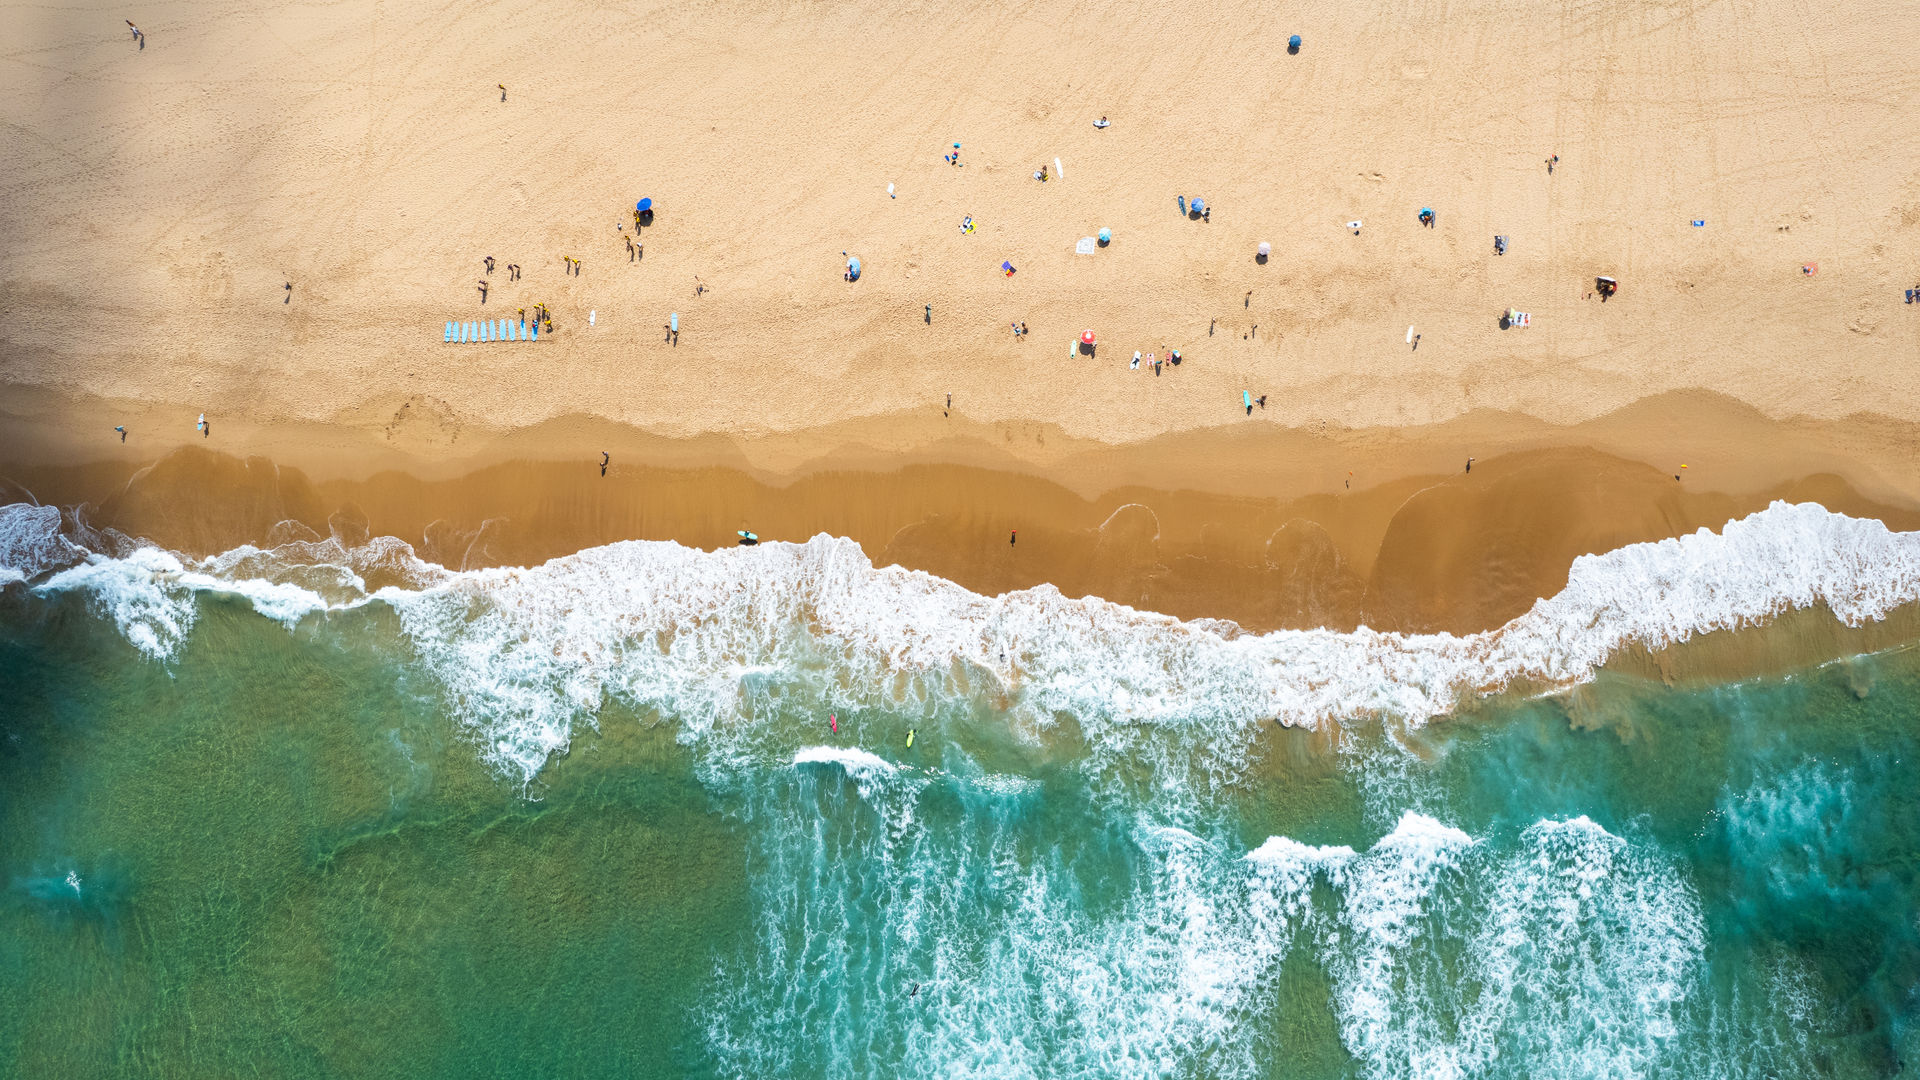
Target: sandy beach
<point x="176" y="184"/>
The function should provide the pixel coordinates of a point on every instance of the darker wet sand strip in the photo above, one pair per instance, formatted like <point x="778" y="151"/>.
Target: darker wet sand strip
<point x="1458" y="552"/>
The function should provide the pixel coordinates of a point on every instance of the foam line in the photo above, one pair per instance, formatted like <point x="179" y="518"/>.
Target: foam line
<point x="717" y="640"/>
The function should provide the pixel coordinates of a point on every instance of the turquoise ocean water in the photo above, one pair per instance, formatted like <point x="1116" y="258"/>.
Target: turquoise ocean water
<point x="324" y="812"/>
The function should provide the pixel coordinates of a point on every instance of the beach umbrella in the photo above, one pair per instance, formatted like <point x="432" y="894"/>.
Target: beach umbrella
<point x="1106" y="236"/>
<point x="1293" y="43"/>
<point x="1086" y="338"/>
<point x="643" y="206"/>
<point x="1197" y="206"/>
<point x="1266" y="249"/>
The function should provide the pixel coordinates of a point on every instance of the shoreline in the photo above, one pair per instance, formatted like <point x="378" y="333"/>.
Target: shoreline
<point x="1253" y="526"/>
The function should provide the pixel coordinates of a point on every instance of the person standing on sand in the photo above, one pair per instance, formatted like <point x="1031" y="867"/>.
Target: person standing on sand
<point x="483" y="292"/>
<point x="1262" y="402"/>
<point x="289" y="287"/>
<point x="122" y="429"/>
<point x="629" y="249"/>
<point x="1551" y="162"/>
<point x="503" y="91"/>
<point x="1013" y="537"/>
<point x="604" y="458"/>
<point x="1469" y="464"/>
<point x="489" y="261"/>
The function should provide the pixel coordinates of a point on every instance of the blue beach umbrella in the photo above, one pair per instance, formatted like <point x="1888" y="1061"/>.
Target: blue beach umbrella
<point x="643" y="205"/>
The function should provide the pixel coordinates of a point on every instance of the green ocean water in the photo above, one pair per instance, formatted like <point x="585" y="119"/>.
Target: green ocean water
<point x="278" y="854"/>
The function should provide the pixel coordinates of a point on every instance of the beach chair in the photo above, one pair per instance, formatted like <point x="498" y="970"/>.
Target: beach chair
<point x="493" y="330"/>
<point x="449" y="336"/>
<point x="535" y="333"/>
<point x="466" y="332"/>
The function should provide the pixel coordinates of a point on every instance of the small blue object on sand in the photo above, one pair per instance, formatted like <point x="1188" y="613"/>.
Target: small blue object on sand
<point x="1183" y="204"/>
<point x="449" y="336"/>
<point x="1698" y="222"/>
<point x="533" y="332"/>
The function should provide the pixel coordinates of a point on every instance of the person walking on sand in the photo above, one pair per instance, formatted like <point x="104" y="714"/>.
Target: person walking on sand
<point x="1469" y="464"/>
<point x="122" y="429"/>
<point x="1551" y="162"/>
<point x="483" y="292"/>
<point x="489" y="261"/>
<point x="503" y="91"/>
<point x="1262" y="402"/>
<point x="604" y="458"/>
<point x="289" y="287"/>
<point x="629" y="249"/>
<point x="1013" y="537"/>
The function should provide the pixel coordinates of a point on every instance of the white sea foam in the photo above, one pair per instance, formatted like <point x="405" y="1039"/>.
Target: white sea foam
<point x="32" y="544"/>
<point x="975" y="949"/>
<point x="717" y="639"/>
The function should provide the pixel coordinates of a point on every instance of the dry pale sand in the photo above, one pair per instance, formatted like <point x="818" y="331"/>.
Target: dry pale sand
<point x="159" y="198"/>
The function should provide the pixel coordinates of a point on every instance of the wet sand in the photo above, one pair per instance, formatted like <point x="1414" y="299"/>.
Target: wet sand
<point x="1258" y="527"/>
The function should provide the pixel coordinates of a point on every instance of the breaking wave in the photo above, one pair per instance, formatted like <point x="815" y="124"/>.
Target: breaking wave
<point x="722" y="641"/>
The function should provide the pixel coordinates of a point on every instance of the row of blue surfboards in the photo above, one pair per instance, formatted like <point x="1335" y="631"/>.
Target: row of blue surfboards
<point x="492" y="330"/>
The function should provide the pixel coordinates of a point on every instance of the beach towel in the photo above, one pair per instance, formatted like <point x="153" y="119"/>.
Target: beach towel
<point x="1136" y="360"/>
<point x="449" y="336"/>
<point x="1086" y="246"/>
<point x="1521" y="318"/>
<point x="590" y="315"/>
<point x="1056" y="167"/>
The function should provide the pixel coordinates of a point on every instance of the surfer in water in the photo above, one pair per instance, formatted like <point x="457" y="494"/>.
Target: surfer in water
<point x="833" y="721"/>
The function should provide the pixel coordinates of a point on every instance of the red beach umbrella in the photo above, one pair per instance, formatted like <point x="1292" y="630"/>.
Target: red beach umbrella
<point x="1086" y="338"/>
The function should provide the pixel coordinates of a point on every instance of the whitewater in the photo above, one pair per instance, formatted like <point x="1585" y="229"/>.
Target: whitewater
<point x="717" y="639"/>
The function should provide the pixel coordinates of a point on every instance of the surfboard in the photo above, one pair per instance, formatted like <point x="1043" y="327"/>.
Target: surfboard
<point x="909" y="738"/>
